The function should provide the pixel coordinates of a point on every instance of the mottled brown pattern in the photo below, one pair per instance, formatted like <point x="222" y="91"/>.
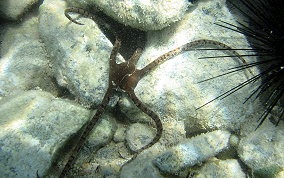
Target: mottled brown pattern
<point x="79" y="11"/>
<point x="124" y="77"/>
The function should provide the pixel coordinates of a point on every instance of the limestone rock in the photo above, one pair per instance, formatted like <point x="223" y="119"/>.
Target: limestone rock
<point x="140" y="14"/>
<point x="80" y="54"/>
<point x="100" y="136"/>
<point x="103" y="132"/>
<point x="141" y="167"/>
<point x="138" y="135"/>
<point x="104" y="163"/>
<point x="262" y="150"/>
<point x="119" y="135"/>
<point x="14" y="9"/>
<point x="23" y="61"/>
<point x="193" y="151"/>
<point x="173" y="90"/>
<point x="34" y="125"/>
<point x="221" y="168"/>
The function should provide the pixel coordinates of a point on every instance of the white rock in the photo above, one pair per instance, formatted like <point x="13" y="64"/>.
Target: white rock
<point x="99" y="137"/>
<point x="33" y="127"/>
<point x="103" y="132"/>
<point x="141" y="14"/>
<point x="23" y="63"/>
<point x="193" y="151"/>
<point x="138" y="135"/>
<point x="280" y="174"/>
<point x="172" y="89"/>
<point x="173" y="133"/>
<point x="262" y="150"/>
<point x="80" y="54"/>
<point x="108" y="159"/>
<point x="141" y="167"/>
<point x="221" y="168"/>
<point x="234" y="141"/>
<point x="13" y="9"/>
<point x="119" y="135"/>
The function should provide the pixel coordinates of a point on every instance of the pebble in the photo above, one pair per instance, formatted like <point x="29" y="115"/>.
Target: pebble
<point x="138" y="135"/>
<point x="119" y="135"/>
<point x="103" y="132"/>
<point x="100" y="136"/>
<point x="141" y="167"/>
<point x="193" y="151"/>
<point x="221" y="168"/>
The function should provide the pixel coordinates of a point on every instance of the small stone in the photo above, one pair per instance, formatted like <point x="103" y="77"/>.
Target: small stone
<point x="101" y="135"/>
<point x="193" y="151"/>
<point x="34" y="125"/>
<point x="234" y="141"/>
<point x="221" y="168"/>
<point x="134" y="114"/>
<point x="109" y="156"/>
<point x="138" y="135"/>
<point x="173" y="133"/>
<point x="141" y="167"/>
<point x="103" y="132"/>
<point x="120" y="134"/>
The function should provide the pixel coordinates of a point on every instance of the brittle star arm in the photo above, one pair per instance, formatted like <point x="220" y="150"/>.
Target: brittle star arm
<point x="93" y="121"/>
<point x="86" y="133"/>
<point x="79" y="11"/>
<point x="151" y="114"/>
<point x="151" y="66"/>
<point x="156" y="119"/>
<point x="101" y="23"/>
<point x="187" y="47"/>
<point x="135" y="57"/>
<point x="131" y="81"/>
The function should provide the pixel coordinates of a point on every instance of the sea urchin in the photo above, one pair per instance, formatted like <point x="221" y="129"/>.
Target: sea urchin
<point x="263" y="25"/>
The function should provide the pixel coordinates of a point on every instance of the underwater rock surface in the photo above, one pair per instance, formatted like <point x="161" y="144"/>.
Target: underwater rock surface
<point x="48" y="52"/>
<point x="80" y="54"/>
<point x="172" y="89"/>
<point x="100" y="136"/>
<point x="14" y="9"/>
<point x="138" y="135"/>
<point x="141" y="167"/>
<point x="33" y="126"/>
<point x="221" y="168"/>
<point x="24" y="64"/>
<point x="193" y="151"/>
<point x="262" y="150"/>
<point x="141" y="14"/>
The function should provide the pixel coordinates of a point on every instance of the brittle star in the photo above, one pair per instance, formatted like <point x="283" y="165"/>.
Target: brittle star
<point x="125" y="77"/>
